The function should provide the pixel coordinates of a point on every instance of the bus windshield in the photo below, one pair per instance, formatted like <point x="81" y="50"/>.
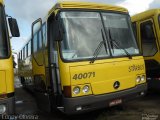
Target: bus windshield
<point x="3" y="35"/>
<point x="119" y="29"/>
<point x="83" y="32"/>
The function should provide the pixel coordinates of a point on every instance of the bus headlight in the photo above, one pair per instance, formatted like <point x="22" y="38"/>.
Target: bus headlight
<point x="138" y="79"/>
<point x="86" y="89"/>
<point x="2" y="109"/>
<point x="143" y="78"/>
<point x="76" y="90"/>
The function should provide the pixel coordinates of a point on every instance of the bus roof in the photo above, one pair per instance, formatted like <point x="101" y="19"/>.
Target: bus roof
<point x="87" y="5"/>
<point x="145" y="15"/>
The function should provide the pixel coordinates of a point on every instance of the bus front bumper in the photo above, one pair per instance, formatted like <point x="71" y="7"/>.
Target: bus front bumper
<point x="9" y="104"/>
<point x="93" y="102"/>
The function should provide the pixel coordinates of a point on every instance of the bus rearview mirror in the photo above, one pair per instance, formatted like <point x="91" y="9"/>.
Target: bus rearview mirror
<point x="14" y="27"/>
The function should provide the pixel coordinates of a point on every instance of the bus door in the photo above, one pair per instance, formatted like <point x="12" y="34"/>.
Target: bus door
<point x="38" y="67"/>
<point x="148" y="38"/>
<point x="149" y="43"/>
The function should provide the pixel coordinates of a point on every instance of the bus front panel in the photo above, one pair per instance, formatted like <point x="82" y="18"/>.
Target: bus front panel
<point x="99" y="60"/>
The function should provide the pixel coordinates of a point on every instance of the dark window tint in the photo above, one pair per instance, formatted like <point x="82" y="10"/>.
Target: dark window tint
<point x="35" y="43"/>
<point x="148" y="39"/>
<point x="23" y="53"/>
<point x="26" y="50"/>
<point x="134" y="29"/>
<point x="4" y="51"/>
<point x="19" y="56"/>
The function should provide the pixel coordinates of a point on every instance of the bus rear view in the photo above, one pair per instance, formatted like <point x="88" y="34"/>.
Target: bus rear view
<point x="91" y="60"/>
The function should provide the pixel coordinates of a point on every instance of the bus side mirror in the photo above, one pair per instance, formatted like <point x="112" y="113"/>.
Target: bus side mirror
<point x="13" y="27"/>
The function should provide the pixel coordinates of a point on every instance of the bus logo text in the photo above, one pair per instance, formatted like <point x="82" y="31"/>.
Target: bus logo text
<point x="136" y="68"/>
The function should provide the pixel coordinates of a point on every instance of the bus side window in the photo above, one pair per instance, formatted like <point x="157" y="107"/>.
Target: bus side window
<point x="148" y="39"/>
<point x="26" y="51"/>
<point x="18" y="56"/>
<point x="35" y="43"/>
<point x="44" y="34"/>
<point x="40" y="39"/>
<point x="23" y="53"/>
<point x="29" y="48"/>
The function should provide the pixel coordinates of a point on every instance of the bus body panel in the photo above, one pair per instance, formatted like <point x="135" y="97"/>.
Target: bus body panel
<point x="107" y="72"/>
<point x="3" y="82"/>
<point x="38" y="69"/>
<point x="87" y="5"/>
<point x="94" y="102"/>
<point x="6" y="68"/>
<point x="1" y="1"/>
<point x="7" y="85"/>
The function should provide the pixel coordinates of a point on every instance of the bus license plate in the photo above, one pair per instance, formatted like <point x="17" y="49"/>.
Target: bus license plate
<point x="115" y="102"/>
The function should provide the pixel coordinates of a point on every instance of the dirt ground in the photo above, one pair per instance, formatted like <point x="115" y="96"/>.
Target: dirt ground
<point x="146" y="108"/>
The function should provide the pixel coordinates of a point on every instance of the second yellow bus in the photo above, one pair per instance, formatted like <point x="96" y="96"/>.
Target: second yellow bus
<point x="147" y="30"/>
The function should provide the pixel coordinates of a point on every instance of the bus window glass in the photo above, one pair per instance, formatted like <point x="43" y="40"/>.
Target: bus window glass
<point x="148" y="39"/>
<point x="81" y="38"/>
<point x="40" y="39"/>
<point x="29" y="48"/>
<point x="23" y="53"/>
<point x="35" y="43"/>
<point x="26" y="50"/>
<point x="4" y="50"/>
<point x="134" y="29"/>
<point x="19" y="55"/>
<point x="44" y="35"/>
<point x="119" y="28"/>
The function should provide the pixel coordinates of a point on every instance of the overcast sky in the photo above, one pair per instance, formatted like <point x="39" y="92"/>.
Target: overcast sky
<point x="26" y="11"/>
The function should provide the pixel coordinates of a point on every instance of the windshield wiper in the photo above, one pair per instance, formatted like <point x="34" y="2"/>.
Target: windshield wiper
<point x="117" y="45"/>
<point x="99" y="47"/>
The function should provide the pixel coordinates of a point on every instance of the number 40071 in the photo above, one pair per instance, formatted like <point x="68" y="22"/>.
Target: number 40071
<point x="84" y="75"/>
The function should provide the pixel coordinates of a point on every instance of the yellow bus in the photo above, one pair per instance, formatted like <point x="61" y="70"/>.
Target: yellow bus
<point x="6" y="63"/>
<point x="82" y="57"/>
<point x="147" y="29"/>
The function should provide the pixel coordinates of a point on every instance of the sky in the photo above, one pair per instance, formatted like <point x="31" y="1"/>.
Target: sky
<point x="26" y="11"/>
